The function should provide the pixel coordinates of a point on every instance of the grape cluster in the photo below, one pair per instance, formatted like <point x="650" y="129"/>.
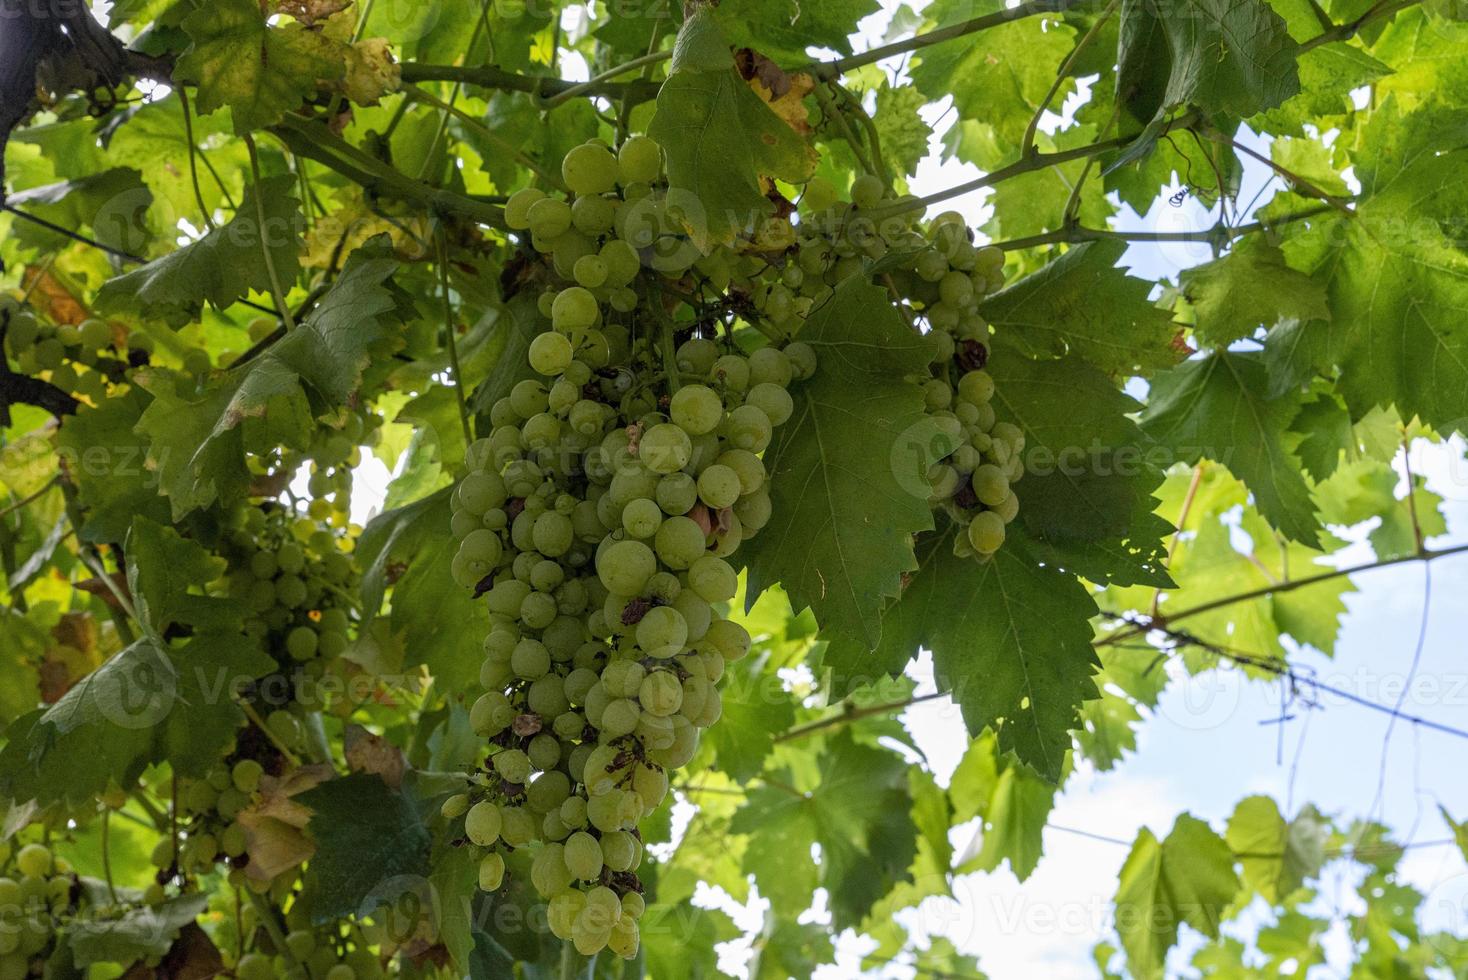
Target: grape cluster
<point x="72" y="356"/>
<point x="332" y="456"/>
<point x="209" y="809"/>
<point x="337" y="952"/>
<point x="595" y="523"/>
<point x="296" y="580"/>
<point x="32" y="905"/>
<point x="940" y="277"/>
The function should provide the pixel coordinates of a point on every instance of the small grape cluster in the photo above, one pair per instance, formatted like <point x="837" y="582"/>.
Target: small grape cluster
<point x="209" y="811"/>
<point x="337" y="952"/>
<point x="595" y="523"/>
<point x="72" y="356"/>
<point x="296" y="581"/>
<point x="32" y="907"/>
<point x="332" y="457"/>
<point x="940" y="277"/>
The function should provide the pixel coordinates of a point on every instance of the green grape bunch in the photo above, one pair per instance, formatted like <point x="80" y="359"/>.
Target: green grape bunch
<point x="940" y="277"/>
<point x="38" y="894"/>
<point x="337" y="951"/>
<point x="296" y="579"/>
<point x="83" y="359"/>
<point x="596" y="525"/>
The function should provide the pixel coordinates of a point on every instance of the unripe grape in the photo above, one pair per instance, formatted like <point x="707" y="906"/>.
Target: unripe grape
<point x="986" y="532"/>
<point x="590" y="169"/>
<point x="867" y="191"/>
<point x="517" y="208"/>
<point x="640" y="161"/>
<point x="491" y="872"/>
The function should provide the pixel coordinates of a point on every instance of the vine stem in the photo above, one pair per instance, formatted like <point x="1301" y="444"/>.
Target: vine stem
<point x="417" y="94"/>
<point x="592" y="84"/>
<point x="851" y="712"/>
<point x="266" y="914"/>
<point x="1220" y="233"/>
<point x="441" y="241"/>
<point x="262" y="233"/>
<point x="1155" y="622"/>
<point x="1029" y="164"/>
<point x="107" y="854"/>
<point x="32" y="498"/>
<point x="188" y="121"/>
<point x="258" y="722"/>
<point x="826" y="70"/>
<point x="1027" y="144"/>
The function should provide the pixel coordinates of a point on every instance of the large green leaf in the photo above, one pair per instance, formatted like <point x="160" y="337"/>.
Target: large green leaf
<point x="1087" y="491"/>
<point x="1398" y="282"/>
<point x="714" y="171"/>
<point x="1249" y="288"/>
<point x="1083" y="304"/>
<point x="999" y="75"/>
<point x="1187" y="878"/>
<point x="256" y="69"/>
<point x="1234" y="56"/>
<point x="1014" y="820"/>
<point x="166" y="575"/>
<point x="859" y="814"/>
<point x="1218" y="407"/>
<point x="226" y="265"/>
<point x="841" y="536"/>
<point x="1011" y="640"/>
<point x="784" y="29"/>
<point x="1277" y="855"/>
<point x="435" y="619"/>
<point x="139" y="933"/>
<point x="105" y="459"/>
<point x="144" y="706"/>
<point x="195" y="437"/>
<point x="371" y="846"/>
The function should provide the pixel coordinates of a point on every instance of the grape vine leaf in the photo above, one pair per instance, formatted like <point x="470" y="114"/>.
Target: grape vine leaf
<point x="1083" y="304"/>
<point x="1013" y="826"/>
<point x="840" y="538"/>
<point x="1399" y="297"/>
<point x="223" y="266"/>
<point x="902" y="132"/>
<point x="1189" y="877"/>
<point x="371" y="845"/>
<point x="155" y="140"/>
<point x="1248" y="288"/>
<point x="436" y="619"/>
<point x="1218" y="407"/>
<point x="195" y="437"/>
<point x="258" y="70"/>
<point x="680" y="940"/>
<point x="786" y="28"/>
<point x="714" y="171"/>
<point x="1011" y="641"/>
<point x="139" y="933"/>
<point x="105" y="458"/>
<point x="1000" y="75"/>
<point x="146" y="705"/>
<point x="1087" y="492"/>
<point x="1326" y="434"/>
<point x="515" y="326"/>
<point x="1277" y="855"/>
<point x="754" y="707"/>
<point x="1233" y="56"/>
<point x="165" y="576"/>
<point x="860" y="815"/>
